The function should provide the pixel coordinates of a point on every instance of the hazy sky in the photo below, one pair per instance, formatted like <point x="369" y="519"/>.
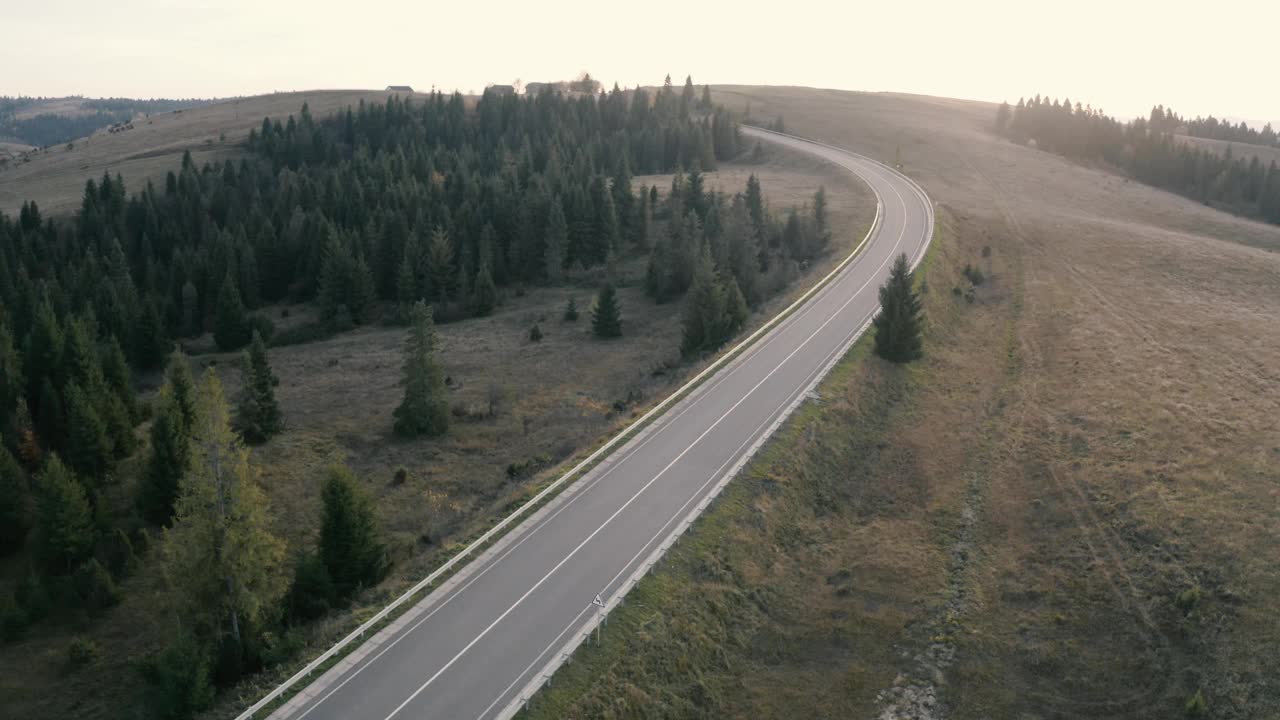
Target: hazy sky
<point x="1121" y="55"/>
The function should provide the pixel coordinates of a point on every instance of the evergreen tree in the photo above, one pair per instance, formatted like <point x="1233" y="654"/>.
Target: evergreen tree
<point x="557" y="243"/>
<point x="439" y="267"/>
<point x="350" y="547"/>
<point x="259" y="415"/>
<point x="89" y="449"/>
<point x="899" y="322"/>
<point x="424" y="409"/>
<point x="166" y="463"/>
<point x="149" y="345"/>
<point x="223" y="560"/>
<point x="15" y="503"/>
<point x="406" y="291"/>
<point x="606" y="316"/>
<point x="13" y="384"/>
<point x="571" y="310"/>
<point x="231" y="329"/>
<point x="66" y="529"/>
<point x="485" y="296"/>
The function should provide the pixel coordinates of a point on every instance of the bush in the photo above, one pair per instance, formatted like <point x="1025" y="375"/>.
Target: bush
<point x="1188" y="599"/>
<point x="974" y="274"/>
<point x="120" y="557"/>
<point x="571" y="310"/>
<point x="178" y="680"/>
<point x="401" y="476"/>
<point x="535" y="334"/>
<point x="81" y="652"/>
<point x="525" y="468"/>
<point x="1197" y="706"/>
<point x="263" y="325"/>
<point x="14" y="620"/>
<point x="312" y="593"/>
<point x="94" y="587"/>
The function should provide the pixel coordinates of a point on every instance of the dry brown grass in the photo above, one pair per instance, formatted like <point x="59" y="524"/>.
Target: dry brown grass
<point x="338" y="395"/>
<point x="1089" y="439"/>
<point x="55" y="177"/>
<point x="1266" y="155"/>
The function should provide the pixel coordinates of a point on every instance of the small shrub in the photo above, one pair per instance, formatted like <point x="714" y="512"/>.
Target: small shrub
<point x="974" y="275"/>
<point x="571" y="310"/>
<point x="312" y="592"/>
<point x="263" y="325"/>
<point x="14" y="620"/>
<point x="535" y="334"/>
<point x="401" y="476"/>
<point x="957" y="291"/>
<point x="525" y="468"/>
<point x="986" y="251"/>
<point x="1188" y="599"/>
<point x="179" y="682"/>
<point x="1197" y="706"/>
<point x="120" y="555"/>
<point x="81" y="652"/>
<point x="95" y="588"/>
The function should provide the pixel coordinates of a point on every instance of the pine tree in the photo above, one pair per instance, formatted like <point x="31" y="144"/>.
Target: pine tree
<point x="571" y="310"/>
<point x="349" y="544"/>
<point x="67" y="532"/>
<point x="557" y="243"/>
<point x="89" y="449"/>
<point x="259" y="415"/>
<point x="439" y="267"/>
<point x="222" y="559"/>
<point x="606" y="316"/>
<point x="231" y="328"/>
<point x="485" y="295"/>
<point x="15" y="503"/>
<point x="899" y="322"/>
<point x="13" y="384"/>
<point x="704" y="310"/>
<point x="424" y="409"/>
<point x="166" y="463"/>
<point x="149" y="345"/>
<point x="406" y="291"/>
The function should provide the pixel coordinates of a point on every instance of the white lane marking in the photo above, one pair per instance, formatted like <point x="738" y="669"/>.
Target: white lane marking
<point x="529" y="667"/>
<point x="646" y="486"/>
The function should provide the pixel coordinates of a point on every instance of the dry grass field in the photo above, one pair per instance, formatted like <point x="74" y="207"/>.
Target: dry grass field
<point x="55" y="177"/>
<point x="1266" y="155"/>
<point x="1070" y="508"/>
<point x="551" y="399"/>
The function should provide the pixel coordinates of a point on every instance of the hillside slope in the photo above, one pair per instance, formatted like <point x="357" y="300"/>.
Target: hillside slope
<point x="1068" y="509"/>
<point x="55" y="178"/>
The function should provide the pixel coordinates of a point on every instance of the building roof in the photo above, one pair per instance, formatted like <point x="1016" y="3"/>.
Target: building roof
<point x="400" y="88"/>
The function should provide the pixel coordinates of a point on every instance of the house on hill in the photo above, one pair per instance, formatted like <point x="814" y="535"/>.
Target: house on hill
<point x="399" y="88"/>
<point x="501" y="89"/>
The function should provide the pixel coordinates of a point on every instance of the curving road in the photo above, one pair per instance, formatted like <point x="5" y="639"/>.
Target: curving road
<point x="483" y="642"/>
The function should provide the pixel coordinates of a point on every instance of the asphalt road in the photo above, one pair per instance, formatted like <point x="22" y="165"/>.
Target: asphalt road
<point x="472" y="647"/>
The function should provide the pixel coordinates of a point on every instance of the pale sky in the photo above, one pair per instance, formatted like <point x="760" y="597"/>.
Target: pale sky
<point x="1121" y="55"/>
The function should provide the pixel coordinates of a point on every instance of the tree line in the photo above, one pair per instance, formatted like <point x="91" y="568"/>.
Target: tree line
<point x="1166" y="120"/>
<point x="1149" y="152"/>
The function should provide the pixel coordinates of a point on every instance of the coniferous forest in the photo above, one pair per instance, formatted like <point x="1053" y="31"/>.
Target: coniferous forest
<point x="406" y="212"/>
<point x="1148" y="150"/>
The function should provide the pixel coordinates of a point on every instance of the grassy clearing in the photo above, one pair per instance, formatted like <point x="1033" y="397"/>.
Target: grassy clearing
<point x="338" y="395"/>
